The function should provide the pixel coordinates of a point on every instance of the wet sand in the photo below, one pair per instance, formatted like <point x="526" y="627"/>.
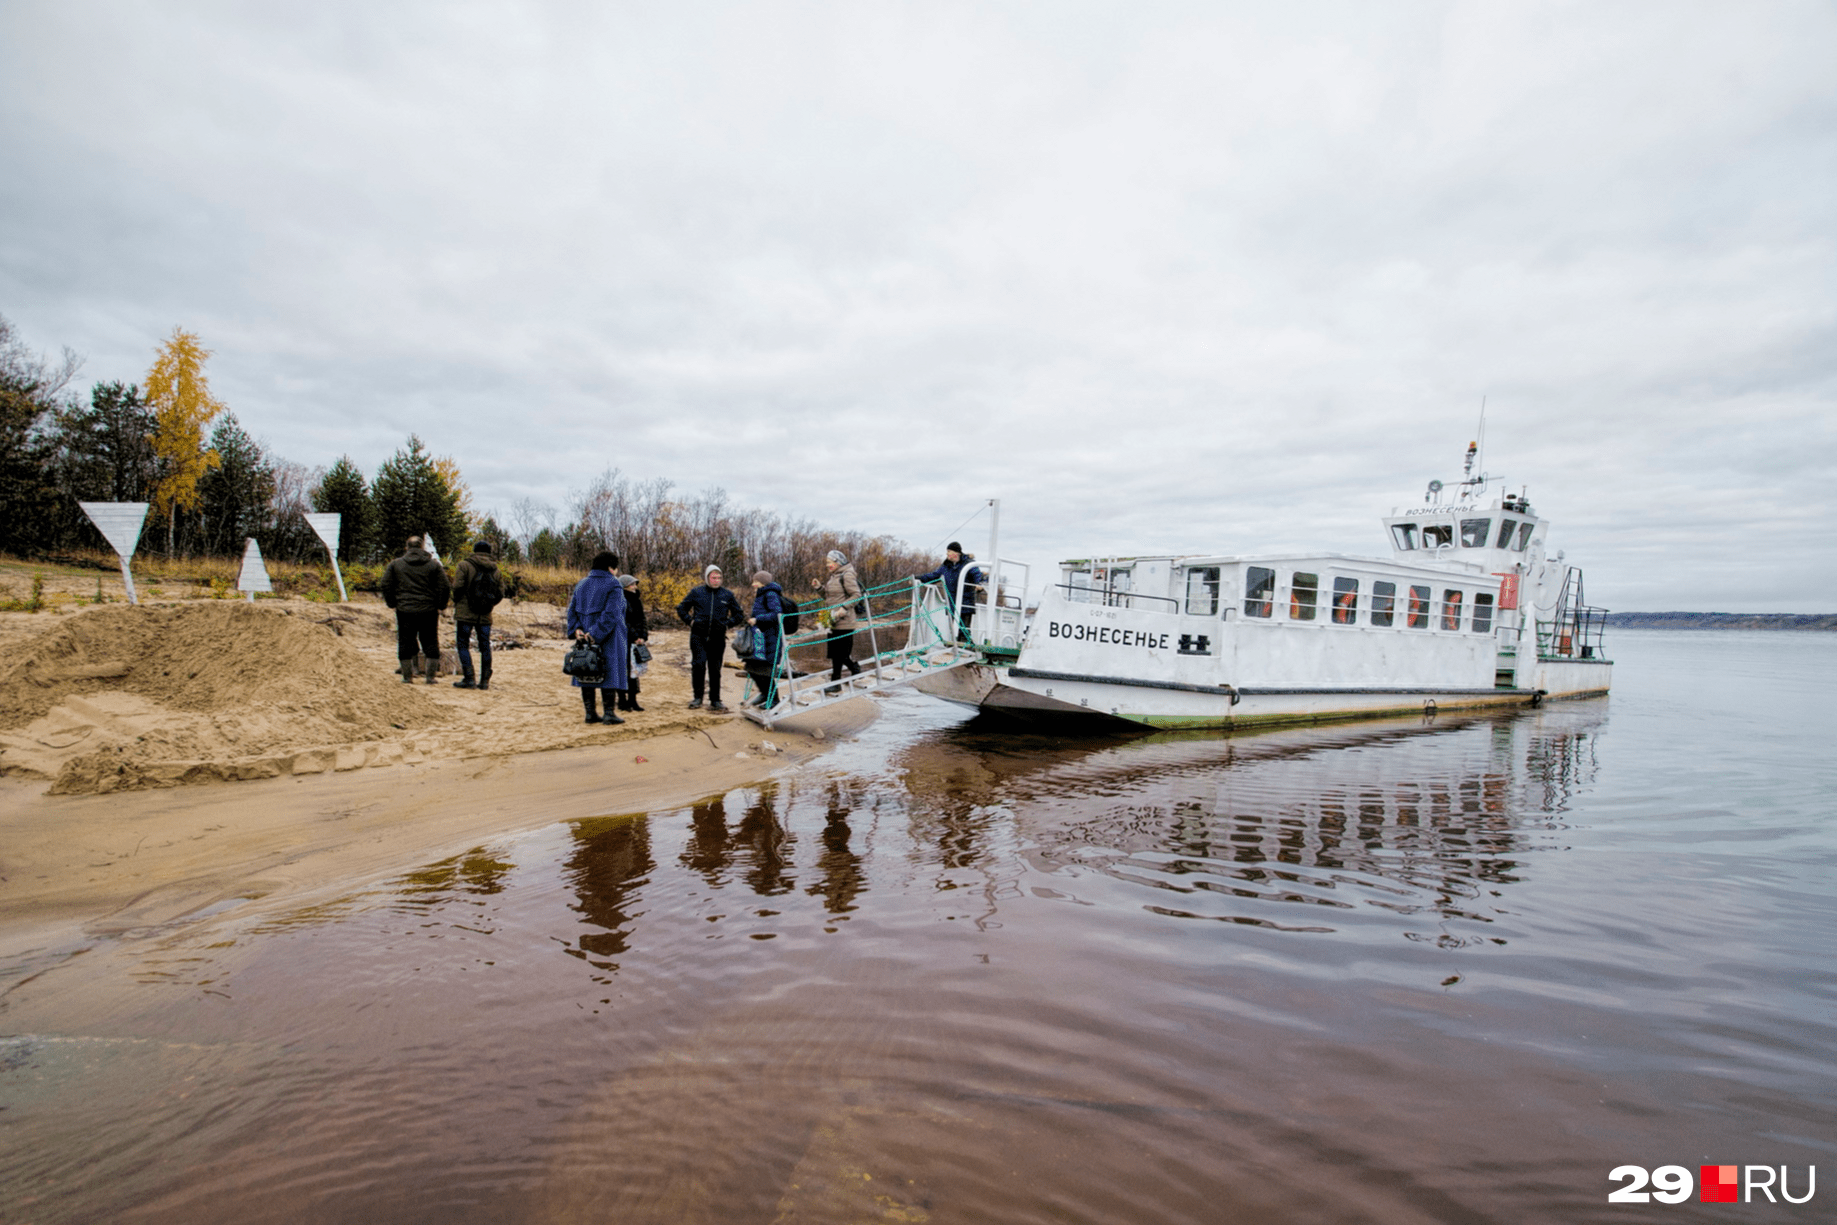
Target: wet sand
<point x="111" y="863"/>
<point x="484" y="765"/>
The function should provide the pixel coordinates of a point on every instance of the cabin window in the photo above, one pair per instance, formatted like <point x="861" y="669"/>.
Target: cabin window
<point x="1202" y="591"/>
<point x="1303" y="594"/>
<point x="1437" y="535"/>
<point x="1383" y="602"/>
<point x="1483" y="613"/>
<point x="1345" y="601"/>
<point x="1451" y="608"/>
<point x="1474" y="533"/>
<point x="1506" y="528"/>
<point x="1259" y="591"/>
<point x="1524" y="536"/>
<point x="1417" y="616"/>
<point x="1404" y="534"/>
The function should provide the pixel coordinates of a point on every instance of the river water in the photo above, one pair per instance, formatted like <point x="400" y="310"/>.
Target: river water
<point x="1441" y="970"/>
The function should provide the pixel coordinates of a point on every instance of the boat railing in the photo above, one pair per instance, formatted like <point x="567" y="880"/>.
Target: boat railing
<point x="1112" y="597"/>
<point x="1576" y="634"/>
<point x="1575" y="631"/>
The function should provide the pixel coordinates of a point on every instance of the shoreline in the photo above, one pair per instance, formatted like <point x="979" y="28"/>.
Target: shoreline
<point x="96" y="865"/>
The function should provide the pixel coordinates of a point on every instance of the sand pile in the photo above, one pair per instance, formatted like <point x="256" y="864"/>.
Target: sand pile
<point x="158" y="696"/>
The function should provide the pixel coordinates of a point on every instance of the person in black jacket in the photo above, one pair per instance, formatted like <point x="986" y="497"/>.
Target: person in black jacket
<point x="958" y="573"/>
<point x="415" y="585"/>
<point x="637" y="630"/>
<point x="709" y="611"/>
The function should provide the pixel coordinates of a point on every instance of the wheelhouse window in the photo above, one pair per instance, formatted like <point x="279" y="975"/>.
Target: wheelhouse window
<point x="1417" y="615"/>
<point x="1303" y="596"/>
<point x="1383" y="602"/>
<point x="1524" y="536"/>
<point x="1259" y="591"/>
<point x="1483" y="612"/>
<point x="1437" y="535"/>
<point x="1506" y="528"/>
<point x="1451" y="608"/>
<point x="1404" y="534"/>
<point x="1474" y="533"/>
<point x="1202" y="591"/>
<point x="1345" y="601"/>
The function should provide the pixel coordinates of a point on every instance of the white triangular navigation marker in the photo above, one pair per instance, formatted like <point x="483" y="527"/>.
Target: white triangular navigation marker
<point x="254" y="575"/>
<point x="325" y="526"/>
<point x="120" y="524"/>
<point x="427" y="538"/>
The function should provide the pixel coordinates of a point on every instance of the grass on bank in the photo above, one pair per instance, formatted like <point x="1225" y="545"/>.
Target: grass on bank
<point x="22" y="583"/>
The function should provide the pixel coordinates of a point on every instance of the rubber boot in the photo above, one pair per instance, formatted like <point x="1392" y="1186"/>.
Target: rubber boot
<point x="466" y="681"/>
<point x="586" y="698"/>
<point x="407" y="669"/>
<point x="433" y="669"/>
<point x="484" y="675"/>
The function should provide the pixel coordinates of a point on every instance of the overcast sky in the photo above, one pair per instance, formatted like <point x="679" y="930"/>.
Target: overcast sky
<point x="1162" y="277"/>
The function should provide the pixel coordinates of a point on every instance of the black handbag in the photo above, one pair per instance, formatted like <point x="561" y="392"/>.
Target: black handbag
<point x="641" y="654"/>
<point x="585" y="662"/>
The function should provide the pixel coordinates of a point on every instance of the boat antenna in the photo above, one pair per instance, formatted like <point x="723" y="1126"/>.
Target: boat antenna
<point x="1480" y="441"/>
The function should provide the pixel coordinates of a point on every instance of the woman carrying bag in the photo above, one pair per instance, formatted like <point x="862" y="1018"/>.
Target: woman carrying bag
<point x="597" y="611"/>
<point x="841" y="593"/>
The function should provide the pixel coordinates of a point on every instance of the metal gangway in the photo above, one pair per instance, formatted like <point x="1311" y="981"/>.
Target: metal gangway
<point x="919" y="617"/>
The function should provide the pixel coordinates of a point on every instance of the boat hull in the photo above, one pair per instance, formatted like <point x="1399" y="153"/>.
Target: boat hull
<point x="998" y="689"/>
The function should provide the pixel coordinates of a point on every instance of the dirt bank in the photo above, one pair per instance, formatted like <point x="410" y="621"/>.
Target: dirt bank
<point x="120" y="698"/>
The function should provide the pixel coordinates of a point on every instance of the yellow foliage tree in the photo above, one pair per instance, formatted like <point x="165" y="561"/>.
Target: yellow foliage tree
<point x="448" y="468"/>
<point x="179" y="394"/>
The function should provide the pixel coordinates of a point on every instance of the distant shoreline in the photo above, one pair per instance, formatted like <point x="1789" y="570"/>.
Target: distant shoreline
<point x="1722" y="621"/>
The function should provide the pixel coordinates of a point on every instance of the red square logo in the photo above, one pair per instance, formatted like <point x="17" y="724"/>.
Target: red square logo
<point x="1718" y="1184"/>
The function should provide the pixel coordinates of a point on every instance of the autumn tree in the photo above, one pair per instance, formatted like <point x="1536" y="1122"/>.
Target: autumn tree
<point x="180" y="396"/>
<point x="343" y="491"/>
<point x="448" y="468"/>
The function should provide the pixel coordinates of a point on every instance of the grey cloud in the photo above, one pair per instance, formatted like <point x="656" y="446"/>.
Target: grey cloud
<point x="1169" y="277"/>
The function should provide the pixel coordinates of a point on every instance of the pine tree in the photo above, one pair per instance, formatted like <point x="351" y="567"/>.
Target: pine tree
<point x="345" y="492"/>
<point x="180" y="396"/>
<point x="235" y="495"/>
<point x="411" y="498"/>
<point x="31" y="390"/>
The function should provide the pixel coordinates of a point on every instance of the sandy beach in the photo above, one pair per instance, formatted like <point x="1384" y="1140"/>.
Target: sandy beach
<point x="166" y="759"/>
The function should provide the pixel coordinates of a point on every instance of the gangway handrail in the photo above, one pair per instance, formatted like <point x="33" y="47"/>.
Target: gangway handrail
<point x="933" y="643"/>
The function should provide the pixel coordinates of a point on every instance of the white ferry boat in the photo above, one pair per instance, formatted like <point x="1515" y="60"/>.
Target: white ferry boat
<point x="1467" y="611"/>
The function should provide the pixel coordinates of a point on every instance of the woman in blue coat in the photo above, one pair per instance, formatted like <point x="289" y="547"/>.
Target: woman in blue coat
<point x="768" y="607"/>
<point x="597" y="611"/>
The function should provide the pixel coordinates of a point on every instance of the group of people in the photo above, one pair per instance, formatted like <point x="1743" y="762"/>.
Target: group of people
<point x="608" y="608"/>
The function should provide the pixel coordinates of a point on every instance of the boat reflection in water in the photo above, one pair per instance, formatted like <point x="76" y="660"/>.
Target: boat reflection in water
<point x="1414" y="818"/>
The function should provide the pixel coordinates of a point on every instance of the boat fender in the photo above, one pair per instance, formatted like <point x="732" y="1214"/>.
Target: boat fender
<point x="1428" y="709"/>
<point x="1236" y="697"/>
<point x="1538" y="695"/>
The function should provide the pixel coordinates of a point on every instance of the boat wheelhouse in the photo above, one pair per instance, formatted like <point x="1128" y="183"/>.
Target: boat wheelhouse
<point x="1466" y="611"/>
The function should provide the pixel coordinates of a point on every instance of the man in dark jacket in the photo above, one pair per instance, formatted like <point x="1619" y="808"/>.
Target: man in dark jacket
<point x="471" y="612"/>
<point x="415" y="585"/>
<point x="637" y="630"/>
<point x="709" y="611"/>
<point x="956" y="561"/>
